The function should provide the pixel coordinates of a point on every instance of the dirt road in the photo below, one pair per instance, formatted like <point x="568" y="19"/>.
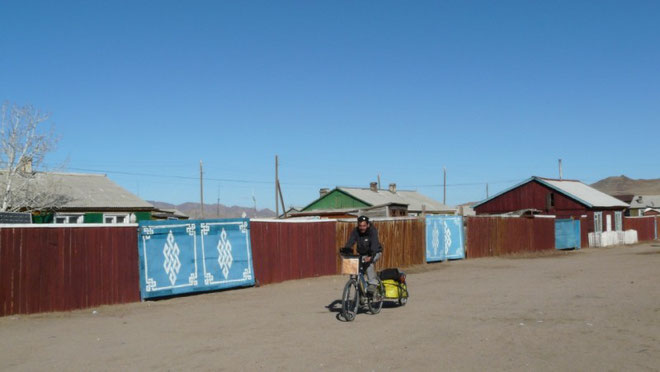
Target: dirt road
<point x="594" y="309"/>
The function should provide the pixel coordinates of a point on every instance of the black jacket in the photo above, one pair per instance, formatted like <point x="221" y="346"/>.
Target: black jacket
<point x="367" y="243"/>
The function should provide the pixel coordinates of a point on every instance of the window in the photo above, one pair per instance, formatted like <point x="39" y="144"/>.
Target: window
<point x="618" y="221"/>
<point x="68" y="218"/>
<point x="550" y="201"/>
<point x="115" y="218"/>
<point x="598" y="222"/>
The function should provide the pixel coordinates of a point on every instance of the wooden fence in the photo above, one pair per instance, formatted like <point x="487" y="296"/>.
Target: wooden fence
<point x="59" y="268"/>
<point x="64" y="268"/>
<point x="403" y="241"/>
<point x="645" y="227"/>
<point x="585" y="223"/>
<point x="496" y="236"/>
<point x="292" y="250"/>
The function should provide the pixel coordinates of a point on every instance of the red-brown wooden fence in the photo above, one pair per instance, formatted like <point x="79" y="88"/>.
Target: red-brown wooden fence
<point x="64" y="268"/>
<point x="645" y="227"/>
<point x="292" y="250"/>
<point x="496" y="236"/>
<point x="585" y="223"/>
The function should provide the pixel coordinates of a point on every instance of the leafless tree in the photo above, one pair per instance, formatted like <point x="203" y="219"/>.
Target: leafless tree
<point x="25" y="139"/>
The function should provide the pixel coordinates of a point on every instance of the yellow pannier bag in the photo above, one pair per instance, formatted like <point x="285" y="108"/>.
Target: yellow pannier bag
<point x="393" y="288"/>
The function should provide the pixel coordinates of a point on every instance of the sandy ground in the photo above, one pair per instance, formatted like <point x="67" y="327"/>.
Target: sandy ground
<point x="594" y="309"/>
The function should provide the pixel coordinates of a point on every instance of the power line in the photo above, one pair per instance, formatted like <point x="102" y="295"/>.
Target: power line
<point x="192" y="178"/>
<point x="236" y="180"/>
<point x="463" y="184"/>
<point x="166" y="176"/>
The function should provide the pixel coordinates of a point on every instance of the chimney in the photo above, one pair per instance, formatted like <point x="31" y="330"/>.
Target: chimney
<point x="373" y="186"/>
<point x="323" y="192"/>
<point x="393" y="188"/>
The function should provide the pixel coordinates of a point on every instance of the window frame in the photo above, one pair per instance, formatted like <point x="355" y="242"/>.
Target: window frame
<point x="598" y="222"/>
<point x="618" y="221"/>
<point x="79" y="218"/>
<point x="114" y="217"/>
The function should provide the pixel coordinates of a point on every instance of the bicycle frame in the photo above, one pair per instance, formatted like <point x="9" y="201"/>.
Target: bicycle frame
<point x="361" y="296"/>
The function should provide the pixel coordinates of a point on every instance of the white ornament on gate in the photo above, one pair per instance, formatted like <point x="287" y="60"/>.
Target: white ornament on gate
<point x="436" y="238"/>
<point x="171" y="251"/>
<point x="151" y="284"/>
<point x="147" y="232"/>
<point x="224" y="253"/>
<point x="447" y="238"/>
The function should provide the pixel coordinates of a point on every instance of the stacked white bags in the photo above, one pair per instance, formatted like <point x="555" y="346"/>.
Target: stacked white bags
<point x="610" y="238"/>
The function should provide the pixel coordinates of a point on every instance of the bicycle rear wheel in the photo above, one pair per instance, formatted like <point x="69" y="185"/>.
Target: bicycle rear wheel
<point x="403" y="294"/>
<point x="350" y="300"/>
<point x="375" y="302"/>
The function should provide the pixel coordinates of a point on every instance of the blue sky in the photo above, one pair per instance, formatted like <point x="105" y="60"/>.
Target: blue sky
<point x="341" y="90"/>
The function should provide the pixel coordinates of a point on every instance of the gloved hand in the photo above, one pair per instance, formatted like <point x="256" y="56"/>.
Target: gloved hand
<point x="346" y="251"/>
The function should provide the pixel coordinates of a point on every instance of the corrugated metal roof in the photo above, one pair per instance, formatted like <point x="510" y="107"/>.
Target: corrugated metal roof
<point x="584" y="193"/>
<point x="576" y="190"/>
<point x="643" y="201"/>
<point x="412" y="199"/>
<point x="86" y="191"/>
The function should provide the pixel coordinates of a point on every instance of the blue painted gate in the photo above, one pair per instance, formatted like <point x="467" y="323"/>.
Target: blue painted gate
<point x="178" y="257"/>
<point x="567" y="234"/>
<point x="445" y="239"/>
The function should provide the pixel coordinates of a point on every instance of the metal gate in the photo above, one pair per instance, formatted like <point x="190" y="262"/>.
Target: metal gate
<point x="178" y="257"/>
<point x="567" y="234"/>
<point x="444" y="238"/>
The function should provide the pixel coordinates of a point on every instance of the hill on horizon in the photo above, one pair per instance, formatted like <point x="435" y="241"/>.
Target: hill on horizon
<point x="194" y="210"/>
<point x="622" y="185"/>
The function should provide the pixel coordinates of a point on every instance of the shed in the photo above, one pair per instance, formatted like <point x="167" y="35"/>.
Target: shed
<point x="565" y="199"/>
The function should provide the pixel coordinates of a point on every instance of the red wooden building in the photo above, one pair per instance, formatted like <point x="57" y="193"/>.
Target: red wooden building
<point x="561" y="198"/>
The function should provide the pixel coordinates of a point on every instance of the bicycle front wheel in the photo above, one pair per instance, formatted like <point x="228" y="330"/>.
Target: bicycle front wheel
<point x="350" y="300"/>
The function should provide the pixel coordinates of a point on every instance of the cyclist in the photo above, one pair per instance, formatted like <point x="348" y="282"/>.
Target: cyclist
<point x="369" y="248"/>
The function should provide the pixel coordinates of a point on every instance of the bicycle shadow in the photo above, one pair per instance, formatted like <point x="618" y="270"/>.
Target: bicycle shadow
<point x="335" y="307"/>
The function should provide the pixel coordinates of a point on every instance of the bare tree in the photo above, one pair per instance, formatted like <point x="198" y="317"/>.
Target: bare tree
<point x="24" y="143"/>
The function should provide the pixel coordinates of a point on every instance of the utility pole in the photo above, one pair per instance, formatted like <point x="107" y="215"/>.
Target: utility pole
<point x="486" y="191"/>
<point x="278" y="191"/>
<point x="560" y="175"/>
<point x="281" y="198"/>
<point x="444" y="186"/>
<point x="201" y="186"/>
<point x="277" y="183"/>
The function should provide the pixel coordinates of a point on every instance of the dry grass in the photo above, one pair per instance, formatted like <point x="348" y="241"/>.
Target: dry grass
<point x="540" y="254"/>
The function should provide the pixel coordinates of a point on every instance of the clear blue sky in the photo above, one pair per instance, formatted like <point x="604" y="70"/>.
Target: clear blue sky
<point x="342" y="91"/>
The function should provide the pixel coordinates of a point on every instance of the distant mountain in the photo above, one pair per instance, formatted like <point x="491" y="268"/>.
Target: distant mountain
<point x="194" y="210"/>
<point x="623" y="185"/>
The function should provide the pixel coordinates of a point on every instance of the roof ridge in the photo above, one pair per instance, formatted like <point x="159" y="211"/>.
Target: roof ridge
<point x="74" y="174"/>
<point x="558" y="179"/>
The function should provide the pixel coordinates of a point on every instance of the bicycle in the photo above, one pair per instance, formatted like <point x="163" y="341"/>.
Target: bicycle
<point x="355" y="291"/>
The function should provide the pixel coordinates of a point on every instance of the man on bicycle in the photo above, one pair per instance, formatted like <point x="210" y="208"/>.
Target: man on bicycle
<point x="368" y="246"/>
